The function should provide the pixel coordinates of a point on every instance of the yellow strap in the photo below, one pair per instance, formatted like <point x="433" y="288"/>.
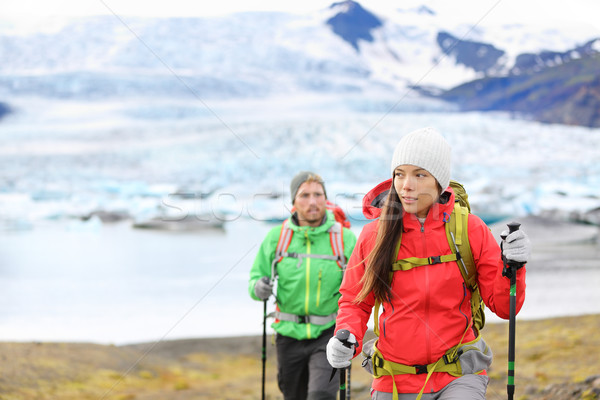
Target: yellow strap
<point x="458" y="224"/>
<point x="454" y="349"/>
<point x="412" y="262"/>
<point x="390" y="368"/>
<point x="426" y="380"/>
<point x="409" y="263"/>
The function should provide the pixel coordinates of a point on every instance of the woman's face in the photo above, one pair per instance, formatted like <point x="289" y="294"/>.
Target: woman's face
<point x="417" y="188"/>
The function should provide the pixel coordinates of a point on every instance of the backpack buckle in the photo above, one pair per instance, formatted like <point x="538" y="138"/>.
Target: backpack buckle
<point x="435" y="260"/>
<point x="302" y="319"/>
<point x="420" y="369"/>
<point x="449" y="360"/>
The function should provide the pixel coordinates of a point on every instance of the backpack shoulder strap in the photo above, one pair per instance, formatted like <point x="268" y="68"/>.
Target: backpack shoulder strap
<point x="457" y="234"/>
<point x="285" y="238"/>
<point x="336" y="237"/>
<point x="457" y="231"/>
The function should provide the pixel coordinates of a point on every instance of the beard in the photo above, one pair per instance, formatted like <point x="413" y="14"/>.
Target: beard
<point x="311" y="216"/>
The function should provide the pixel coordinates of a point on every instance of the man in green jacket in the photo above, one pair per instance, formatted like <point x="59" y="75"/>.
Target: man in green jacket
<point x="308" y="269"/>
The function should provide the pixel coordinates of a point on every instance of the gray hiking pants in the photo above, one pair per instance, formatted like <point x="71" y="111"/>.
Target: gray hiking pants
<point x="467" y="387"/>
<point x="303" y="370"/>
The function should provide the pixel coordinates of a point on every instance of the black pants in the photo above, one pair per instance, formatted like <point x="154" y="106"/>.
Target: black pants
<point x="303" y="369"/>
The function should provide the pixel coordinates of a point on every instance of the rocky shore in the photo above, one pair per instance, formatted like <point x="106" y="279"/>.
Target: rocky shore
<point x="556" y="359"/>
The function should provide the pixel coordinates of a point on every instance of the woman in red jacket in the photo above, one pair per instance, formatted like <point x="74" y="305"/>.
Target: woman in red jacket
<point x="426" y="322"/>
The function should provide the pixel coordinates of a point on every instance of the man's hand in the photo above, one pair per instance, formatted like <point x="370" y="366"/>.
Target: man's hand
<point x="263" y="288"/>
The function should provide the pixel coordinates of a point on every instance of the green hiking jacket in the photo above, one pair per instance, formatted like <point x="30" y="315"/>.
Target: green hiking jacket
<point x="311" y="288"/>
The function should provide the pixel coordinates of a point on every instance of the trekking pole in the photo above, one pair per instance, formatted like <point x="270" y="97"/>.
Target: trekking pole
<point x="265" y="316"/>
<point x="348" y="382"/>
<point x="342" y="335"/>
<point x="264" y="348"/>
<point x="510" y="271"/>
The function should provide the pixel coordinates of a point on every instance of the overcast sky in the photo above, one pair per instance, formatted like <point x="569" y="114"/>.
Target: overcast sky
<point x="151" y="7"/>
<point x="506" y="11"/>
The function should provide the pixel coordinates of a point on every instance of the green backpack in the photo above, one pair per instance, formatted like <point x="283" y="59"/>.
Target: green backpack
<point x="458" y="238"/>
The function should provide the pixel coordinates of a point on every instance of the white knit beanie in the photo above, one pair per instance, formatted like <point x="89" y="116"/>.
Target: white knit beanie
<point x="425" y="148"/>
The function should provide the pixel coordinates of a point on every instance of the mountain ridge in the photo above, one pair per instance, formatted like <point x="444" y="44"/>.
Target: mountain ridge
<point x="344" y="49"/>
<point x="568" y="93"/>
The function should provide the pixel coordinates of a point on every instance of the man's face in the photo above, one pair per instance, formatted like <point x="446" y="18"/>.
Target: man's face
<point x="310" y="204"/>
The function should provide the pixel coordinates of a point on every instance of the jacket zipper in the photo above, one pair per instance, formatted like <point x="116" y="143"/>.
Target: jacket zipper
<point x="319" y="287"/>
<point x="427" y="298"/>
<point x="306" y="301"/>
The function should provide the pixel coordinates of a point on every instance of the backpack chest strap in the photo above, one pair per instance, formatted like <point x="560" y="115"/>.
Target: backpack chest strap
<point x="302" y="256"/>
<point x="411" y="262"/>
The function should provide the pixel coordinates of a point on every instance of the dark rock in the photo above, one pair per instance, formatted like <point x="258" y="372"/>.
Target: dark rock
<point x="354" y="23"/>
<point x="481" y="57"/>
<point x="4" y="110"/>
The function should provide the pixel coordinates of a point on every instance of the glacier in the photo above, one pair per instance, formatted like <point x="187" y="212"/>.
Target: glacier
<point x="73" y="158"/>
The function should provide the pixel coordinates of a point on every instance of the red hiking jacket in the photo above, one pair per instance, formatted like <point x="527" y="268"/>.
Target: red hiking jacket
<point x="430" y="304"/>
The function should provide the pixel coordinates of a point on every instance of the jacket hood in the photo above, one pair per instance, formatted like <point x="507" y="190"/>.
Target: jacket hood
<point x="373" y="201"/>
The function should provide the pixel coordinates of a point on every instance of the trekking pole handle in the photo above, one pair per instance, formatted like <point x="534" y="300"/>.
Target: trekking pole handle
<point x="512" y="227"/>
<point x="342" y="335"/>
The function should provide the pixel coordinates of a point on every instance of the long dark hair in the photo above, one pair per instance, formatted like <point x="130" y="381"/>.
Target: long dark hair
<point x="378" y="264"/>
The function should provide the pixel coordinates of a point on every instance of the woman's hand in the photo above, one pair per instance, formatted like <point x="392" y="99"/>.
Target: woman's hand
<point x="340" y="354"/>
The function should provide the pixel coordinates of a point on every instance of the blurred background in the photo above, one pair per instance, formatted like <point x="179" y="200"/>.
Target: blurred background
<point x="145" y="150"/>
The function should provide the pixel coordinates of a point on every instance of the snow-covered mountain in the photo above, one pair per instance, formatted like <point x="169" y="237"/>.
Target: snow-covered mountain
<point x="116" y="115"/>
<point x="343" y="49"/>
